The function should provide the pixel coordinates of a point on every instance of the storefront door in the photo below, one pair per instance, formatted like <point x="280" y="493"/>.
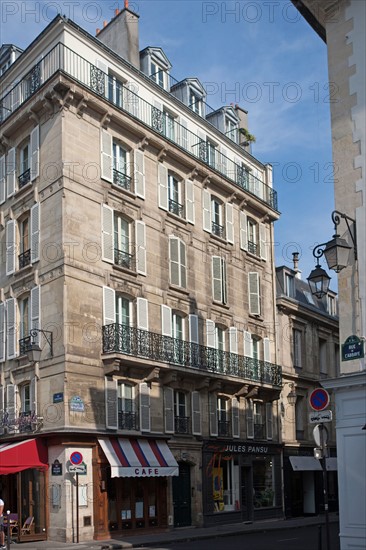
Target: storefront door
<point x="246" y="494"/>
<point x="182" y="496"/>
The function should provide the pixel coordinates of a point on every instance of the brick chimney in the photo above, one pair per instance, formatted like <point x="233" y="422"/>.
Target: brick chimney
<point x="121" y="35"/>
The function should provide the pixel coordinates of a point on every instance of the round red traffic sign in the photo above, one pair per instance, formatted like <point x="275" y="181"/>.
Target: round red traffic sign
<point x="76" y="458"/>
<point x="319" y="399"/>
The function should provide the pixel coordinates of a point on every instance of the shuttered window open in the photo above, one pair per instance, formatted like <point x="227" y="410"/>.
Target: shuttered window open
<point x="111" y="404"/>
<point x="140" y="173"/>
<point x="196" y="413"/>
<point x="34" y="151"/>
<point x="254" y="293"/>
<point x="145" y="424"/>
<point x="235" y="417"/>
<point x="169" y="410"/>
<point x="140" y="233"/>
<point x="213" y="414"/>
<point x="35" y="228"/>
<point x="250" y="420"/>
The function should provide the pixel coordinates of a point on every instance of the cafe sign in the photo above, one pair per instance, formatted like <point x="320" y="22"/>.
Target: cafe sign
<point x="352" y="348"/>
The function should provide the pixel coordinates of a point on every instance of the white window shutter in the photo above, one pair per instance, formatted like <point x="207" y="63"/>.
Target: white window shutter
<point x="111" y="404"/>
<point x="174" y="261"/>
<point x="183" y="266"/>
<point x="2" y="179"/>
<point x="10" y="247"/>
<point x="35" y="229"/>
<point x="169" y="410"/>
<point x="217" y="285"/>
<point x="184" y="134"/>
<point x="248" y="344"/>
<point x="243" y="231"/>
<point x="269" y="420"/>
<point x="210" y="334"/>
<point x="206" y="202"/>
<point x="193" y="328"/>
<point x="213" y="414"/>
<point x="250" y="420"/>
<point x="35" y="309"/>
<point x="109" y="306"/>
<point x="229" y="223"/>
<point x="140" y="235"/>
<point x="11" y="328"/>
<point x="142" y="313"/>
<point x="145" y="423"/>
<point x="223" y="160"/>
<point x="107" y="234"/>
<point x="166" y="320"/>
<point x="254" y="296"/>
<point x="267" y="350"/>
<point x="235" y="417"/>
<point x="196" y="413"/>
<point x="11" y="172"/>
<point x="233" y="339"/>
<point x="163" y="186"/>
<point x="11" y="402"/>
<point x="190" y="213"/>
<point x="263" y="241"/>
<point x="2" y="332"/>
<point x="139" y="173"/>
<point x="34" y="151"/>
<point x="106" y="160"/>
<point x="33" y="394"/>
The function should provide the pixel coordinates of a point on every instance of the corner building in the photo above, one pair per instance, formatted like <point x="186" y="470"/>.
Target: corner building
<point x="137" y="243"/>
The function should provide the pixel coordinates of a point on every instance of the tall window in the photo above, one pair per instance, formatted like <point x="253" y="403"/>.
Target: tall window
<point x="157" y="74"/>
<point x="195" y="102"/>
<point x="252" y="236"/>
<point x="259" y="420"/>
<point x="180" y="413"/>
<point x="297" y="348"/>
<point x="169" y="128"/>
<point x="263" y="483"/>
<point x="219" y="285"/>
<point x="25" y="396"/>
<point x="122" y="242"/>
<point x="174" y="196"/>
<point x="331" y="305"/>
<point x="24" y="166"/>
<point x="289" y="286"/>
<point x="126" y="407"/>
<point x="24" y="317"/>
<point x="211" y="152"/>
<point x="222" y="417"/>
<point x="231" y="129"/>
<point x="124" y="320"/>
<point x="121" y="167"/>
<point x="178" y="266"/>
<point x="178" y="335"/>
<point x="24" y="243"/>
<point x="217" y="217"/>
<point x="115" y="90"/>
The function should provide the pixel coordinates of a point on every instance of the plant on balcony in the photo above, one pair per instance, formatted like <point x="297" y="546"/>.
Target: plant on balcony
<point x="247" y="137"/>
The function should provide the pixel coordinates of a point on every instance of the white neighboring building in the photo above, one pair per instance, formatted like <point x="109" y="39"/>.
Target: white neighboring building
<point x="342" y="25"/>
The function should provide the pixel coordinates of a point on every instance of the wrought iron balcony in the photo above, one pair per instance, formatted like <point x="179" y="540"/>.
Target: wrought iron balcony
<point x="252" y="247"/>
<point x="22" y="422"/>
<point x="123" y="259"/>
<point x="224" y="428"/>
<point x="176" y="208"/>
<point x="259" y="431"/>
<point x="127" y="420"/>
<point x="24" y="259"/>
<point x="156" y="347"/>
<point x="217" y="230"/>
<point x="24" y="178"/>
<point x="181" y="424"/>
<point x="121" y="180"/>
<point x="62" y="59"/>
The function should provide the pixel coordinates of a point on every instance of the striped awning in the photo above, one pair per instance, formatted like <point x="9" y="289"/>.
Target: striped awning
<point x="139" y="457"/>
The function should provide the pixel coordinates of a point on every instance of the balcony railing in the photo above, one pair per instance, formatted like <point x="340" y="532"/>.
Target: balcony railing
<point x="127" y="420"/>
<point x="224" y="428"/>
<point x="63" y="59"/>
<point x="181" y="424"/>
<point x="121" y="180"/>
<point x="217" y="229"/>
<point x="156" y="347"/>
<point x="123" y="259"/>
<point x="24" y="178"/>
<point x="24" y="259"/>
<point x="252" y="247"/>
<point x="259" y="431"/>
<point x="21" y="422"/>
<point x="176" y="208"/>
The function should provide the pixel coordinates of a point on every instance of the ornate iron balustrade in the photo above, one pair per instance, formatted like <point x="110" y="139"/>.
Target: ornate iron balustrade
<point x="127" y="420"/>
<point x="156" y="347"/>
<point x="181" y="424"/>
<point x="223" y="428"/>
<point x="217" y="229"/>
<point x="122" y="180"/>
<point x="176" y="208"/>
<point x="24" y="178"/>
<point x="61" y="58"/>
<point x="259" y="431"/>
<point x="21" y="423"/>
<point x="123" y="259"/>
<point x="24" y="259"/>
<point x="252" y="247"/>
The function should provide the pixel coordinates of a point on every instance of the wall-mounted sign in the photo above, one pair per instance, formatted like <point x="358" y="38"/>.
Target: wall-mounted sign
<point x="77" y="404"/>
<point x="320" y="416"/>
<point x="353" y="348"/>
<point x="56" y="468"/>
<point x="76" y="457"/>
<point x="58" y="397"/>
<point x="77" y="469"/>
<point x="319" y="399"/>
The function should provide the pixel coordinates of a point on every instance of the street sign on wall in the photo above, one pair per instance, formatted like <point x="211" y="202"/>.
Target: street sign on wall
<point x="320" y="416"/>
<point x="353" y="348"/>
<point x="319" y="399"/>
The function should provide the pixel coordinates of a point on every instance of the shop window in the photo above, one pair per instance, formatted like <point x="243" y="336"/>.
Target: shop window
<point x="225" y="484"/>
<point x="263" y="483"/>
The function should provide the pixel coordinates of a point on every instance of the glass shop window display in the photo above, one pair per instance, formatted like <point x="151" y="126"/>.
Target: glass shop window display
<point x="225" y="483"/>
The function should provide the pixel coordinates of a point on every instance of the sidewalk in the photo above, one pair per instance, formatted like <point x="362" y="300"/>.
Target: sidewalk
<point x="180" y="535"/>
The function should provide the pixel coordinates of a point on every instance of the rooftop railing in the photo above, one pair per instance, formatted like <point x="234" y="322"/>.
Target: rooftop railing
<point x="119" y="338"/>
<point x="63" y="59"/>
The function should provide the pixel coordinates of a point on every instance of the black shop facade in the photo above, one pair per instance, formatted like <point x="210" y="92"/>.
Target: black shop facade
<point x="241" y="481"/>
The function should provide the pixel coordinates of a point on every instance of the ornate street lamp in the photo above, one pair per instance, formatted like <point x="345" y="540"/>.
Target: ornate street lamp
<point x="34" y="351"/>
<point x="318" y="279"/>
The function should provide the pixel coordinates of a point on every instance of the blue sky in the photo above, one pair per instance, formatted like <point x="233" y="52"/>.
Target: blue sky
<point x="260" y="54"/>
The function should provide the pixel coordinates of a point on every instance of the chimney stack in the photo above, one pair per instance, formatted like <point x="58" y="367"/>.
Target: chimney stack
<point x="295" y="257"/>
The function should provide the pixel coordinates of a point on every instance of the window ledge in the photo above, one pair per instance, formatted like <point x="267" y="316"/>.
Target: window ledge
<point x="125" y="270"/>
<point x="179" y="289"/>
<point x="215" y="303"/>
<point x="27" y="187"/>
<point x="24" y="270"/>
<point x="177" y="218"/>
<point x="219" y="239"/>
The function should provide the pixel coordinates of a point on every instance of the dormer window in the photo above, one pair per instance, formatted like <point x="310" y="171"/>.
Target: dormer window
<point x="195" y="102"/>
<point x="231" y="129"/>
<point x="289" y="286"/>
<point x="155" y="64"/>
<point x="157" y="74"/>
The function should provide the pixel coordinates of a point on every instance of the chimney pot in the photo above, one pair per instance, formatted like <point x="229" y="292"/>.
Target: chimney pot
<point x="105" y="23"/>
<point x="116" y="12"/>
<point x="98" y="31"/>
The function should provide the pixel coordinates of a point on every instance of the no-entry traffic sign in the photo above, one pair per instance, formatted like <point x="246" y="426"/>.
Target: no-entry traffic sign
<point x="319" y="399"/>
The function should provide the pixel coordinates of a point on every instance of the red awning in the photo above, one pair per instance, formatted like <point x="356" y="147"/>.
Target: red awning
<point x="21" y="455"/>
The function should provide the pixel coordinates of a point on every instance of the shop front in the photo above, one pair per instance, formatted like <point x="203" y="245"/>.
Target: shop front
<point x="241" y="481"/>
<point x="135" y="476"/>
<point x="303" y="482"/>
<point x="23" y="466"/>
